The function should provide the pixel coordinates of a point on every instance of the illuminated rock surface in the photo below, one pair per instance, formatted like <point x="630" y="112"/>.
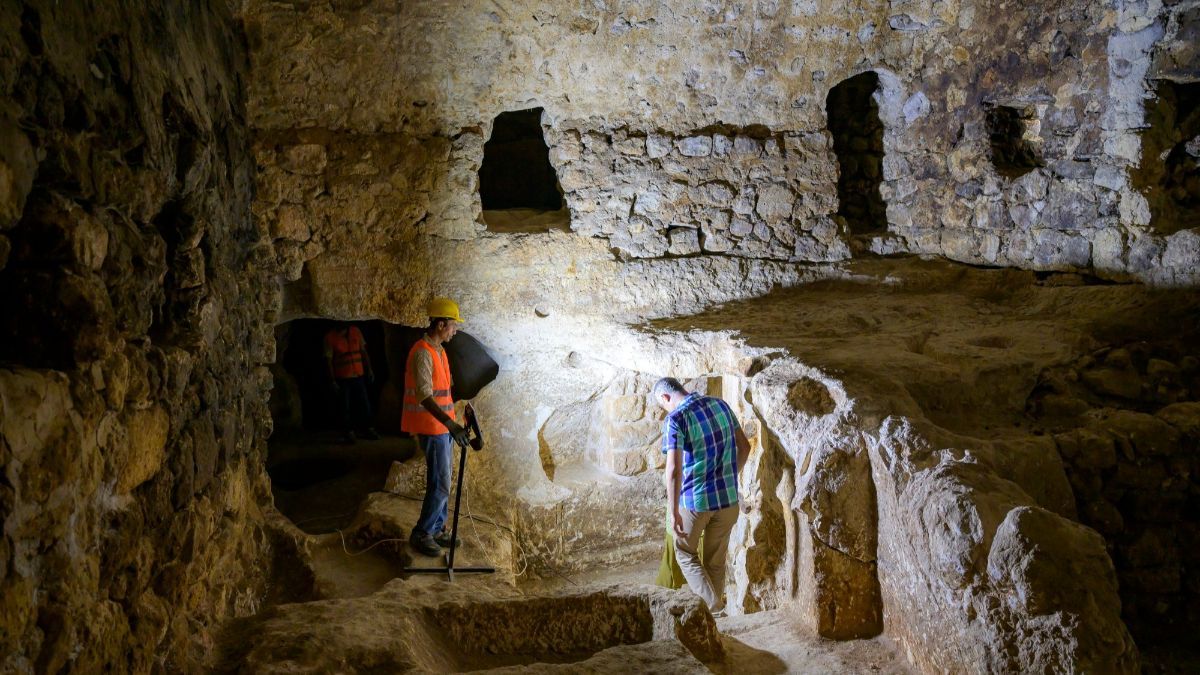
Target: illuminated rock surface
<point x="941" y="258"/>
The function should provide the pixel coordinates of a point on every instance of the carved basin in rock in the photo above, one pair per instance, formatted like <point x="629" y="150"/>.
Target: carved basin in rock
<point x="425" y="625"/>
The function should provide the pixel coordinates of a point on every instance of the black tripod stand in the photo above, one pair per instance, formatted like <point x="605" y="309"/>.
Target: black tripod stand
<point x="476" y="442"/>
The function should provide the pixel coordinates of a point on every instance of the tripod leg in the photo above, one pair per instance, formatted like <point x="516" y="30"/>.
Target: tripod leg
<point x="462" y="469"/>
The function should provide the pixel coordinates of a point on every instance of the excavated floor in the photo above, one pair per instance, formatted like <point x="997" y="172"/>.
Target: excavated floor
<point x="959" y="345"/>
<point x="975" y="352"/>
<point x="360" y="585"/>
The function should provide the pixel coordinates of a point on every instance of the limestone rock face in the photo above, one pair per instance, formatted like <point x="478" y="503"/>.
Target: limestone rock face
<point x="135" y="326"/>
<point x="406" y="624"/>
<point x="735" y="144"/>
<point x="976" y="516"/>
<point x="959" y="536"/>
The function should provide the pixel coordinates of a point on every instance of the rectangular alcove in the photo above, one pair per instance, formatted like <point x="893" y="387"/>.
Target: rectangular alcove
<point x="518" y="187"/>
<point x="1013" y="154"/>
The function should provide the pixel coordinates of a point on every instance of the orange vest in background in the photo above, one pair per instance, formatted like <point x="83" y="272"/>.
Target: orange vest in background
<point x="414" y="419"/>
<point x="346" y="352"/>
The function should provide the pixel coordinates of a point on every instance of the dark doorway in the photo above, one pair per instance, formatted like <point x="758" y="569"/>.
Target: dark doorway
<point x="317" y="479"/>
<point x="518" y="187"/>
<point x="1169" y="173"/>
<point x="858" y="142"/>
<point x="309" y="398"/>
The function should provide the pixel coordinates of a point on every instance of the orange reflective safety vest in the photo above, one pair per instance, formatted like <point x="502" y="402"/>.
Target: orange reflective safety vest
<point x="417" y="420"/>
<point x="346" y="352"/>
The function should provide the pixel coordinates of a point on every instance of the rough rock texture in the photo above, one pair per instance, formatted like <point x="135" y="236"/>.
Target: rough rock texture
<point x="894" y="484"/>
<point x="1127" y="420"/>
<point x="442" y="627"/>
<point x="135" y="318"/>
<point x="974" y="552"/>
<point x="571" y="455"/>
<point x="652" y="114"/>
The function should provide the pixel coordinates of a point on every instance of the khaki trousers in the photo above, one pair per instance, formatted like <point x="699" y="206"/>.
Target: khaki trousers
<point x="706" y="580"/>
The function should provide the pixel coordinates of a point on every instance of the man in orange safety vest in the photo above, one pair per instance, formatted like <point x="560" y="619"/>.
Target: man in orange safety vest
<point x="429" y="414"/>
<point x="350" y="371"/>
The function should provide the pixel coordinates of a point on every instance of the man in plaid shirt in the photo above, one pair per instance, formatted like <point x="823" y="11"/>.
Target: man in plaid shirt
<point x="705" y="449"/>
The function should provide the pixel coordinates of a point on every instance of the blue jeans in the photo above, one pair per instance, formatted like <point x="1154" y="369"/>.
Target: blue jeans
<point x="438" y="458"/>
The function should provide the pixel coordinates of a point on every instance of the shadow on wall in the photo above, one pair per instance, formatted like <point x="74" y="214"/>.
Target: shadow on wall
<point x="1169" y="173"/>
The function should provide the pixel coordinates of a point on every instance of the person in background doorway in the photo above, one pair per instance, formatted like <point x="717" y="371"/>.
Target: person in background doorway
<point x="705" y="448"/>
<point x="349" y="371"/>
<point x="429" y="414"/>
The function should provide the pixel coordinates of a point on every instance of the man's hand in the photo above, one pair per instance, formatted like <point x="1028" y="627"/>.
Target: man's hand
<point x="457" y="432"/>
<point x="677" y="526"/>
<point x="371" y="377"/>
<point x="333" y="384"/>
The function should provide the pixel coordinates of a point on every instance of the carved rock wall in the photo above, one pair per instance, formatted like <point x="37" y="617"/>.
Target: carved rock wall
<point x="670" y="106"/>
<point x="135" y="315"/>
<point x="1127" y="419"/>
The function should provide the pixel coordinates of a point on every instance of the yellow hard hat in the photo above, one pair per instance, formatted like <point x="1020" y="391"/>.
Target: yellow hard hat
<point x="444" y="308"/>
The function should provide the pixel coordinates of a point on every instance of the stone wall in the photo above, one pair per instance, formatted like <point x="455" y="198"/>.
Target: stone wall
<point x="688" y="85"/>
<point x="1127" y="421"/>
<point x="697" y="162"/>
<point x="1077" y="75"/>
<point x="135" y="314"/>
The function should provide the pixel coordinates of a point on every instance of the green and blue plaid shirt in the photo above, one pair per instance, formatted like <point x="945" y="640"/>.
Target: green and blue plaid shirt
<point x="702" y="428"/>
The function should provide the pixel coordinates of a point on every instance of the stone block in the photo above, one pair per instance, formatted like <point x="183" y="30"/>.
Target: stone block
<point x="1053" y="248"/>
<point x="1096" y="450"/>
<point x="746" y="146"/>
<point x="634" y="146"/>
<point x="291" y="222"/>
<point x="695" y="146"/>
<point x="683" y="241"/>
<point x="1110" y="177"/>
<point x="722" y="144"/>
<point x="1185" y="417"/>
<point x="658" y="145"/>
<point x="715" y="242"/>
<point x="138" y="461"/>
<point x="1120" y="382"/>
<point x="775" y="203"/>
<point x="18" y="166"/>
<point x="1149" y="435"/>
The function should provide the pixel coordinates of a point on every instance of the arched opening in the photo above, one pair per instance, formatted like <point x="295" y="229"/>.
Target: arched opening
<point x="518" y="188"/>
<point x="317" y="478"/>
<point x="858" y="142"/>
<point x="1169" y="173"/>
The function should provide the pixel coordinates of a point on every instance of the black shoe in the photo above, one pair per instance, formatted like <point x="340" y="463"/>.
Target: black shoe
<point x="370" y="434"/>
<point x="443" y="540"/>
<point x="425" y="544"/>
<point x="349" y="438"/>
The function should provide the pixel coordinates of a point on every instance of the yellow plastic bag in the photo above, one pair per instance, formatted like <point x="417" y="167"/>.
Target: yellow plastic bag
<point x="669" y="574"/>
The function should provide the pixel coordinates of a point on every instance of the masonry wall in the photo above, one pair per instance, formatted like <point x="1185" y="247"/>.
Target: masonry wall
<point x="135" y="314"/>
<point x="678" y="132"/>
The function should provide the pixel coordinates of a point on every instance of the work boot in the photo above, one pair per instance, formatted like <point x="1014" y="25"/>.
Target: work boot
<point x="370" y="434"/>
<point x="424" y="544"/>
<point x="443" y="540"/>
